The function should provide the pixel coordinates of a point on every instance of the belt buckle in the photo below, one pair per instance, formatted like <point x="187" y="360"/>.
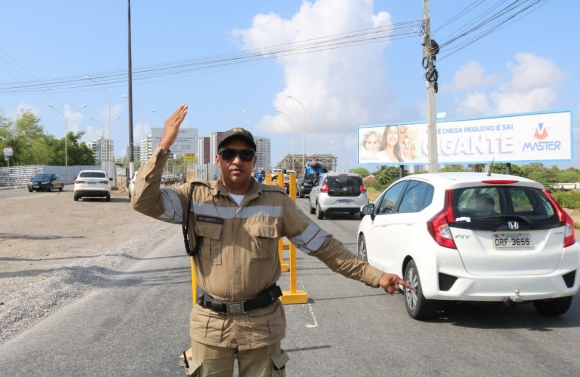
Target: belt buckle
<point x="235" y="307"/>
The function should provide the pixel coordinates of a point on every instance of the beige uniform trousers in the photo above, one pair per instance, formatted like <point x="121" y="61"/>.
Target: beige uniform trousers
<point x="214" y="361"/>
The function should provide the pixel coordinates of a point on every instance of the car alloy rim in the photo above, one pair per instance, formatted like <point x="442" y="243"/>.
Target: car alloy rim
<point x="362" y="249"/>
<point x="411" y="296"/>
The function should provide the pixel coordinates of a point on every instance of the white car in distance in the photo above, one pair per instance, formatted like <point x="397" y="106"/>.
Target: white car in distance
<point x="473" y="237"/>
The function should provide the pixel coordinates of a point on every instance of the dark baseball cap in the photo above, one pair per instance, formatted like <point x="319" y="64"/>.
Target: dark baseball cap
<point x="238" y="133"/>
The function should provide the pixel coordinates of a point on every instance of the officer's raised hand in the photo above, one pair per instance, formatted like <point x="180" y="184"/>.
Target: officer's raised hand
<point x="171" y="128"/>
<point x="390" y="283"/>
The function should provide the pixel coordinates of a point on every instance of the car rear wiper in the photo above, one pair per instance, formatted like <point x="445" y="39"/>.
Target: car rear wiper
<point x="516" y="217"/>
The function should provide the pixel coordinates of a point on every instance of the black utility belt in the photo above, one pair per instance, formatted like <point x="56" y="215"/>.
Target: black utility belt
<point x="263" y="299"/>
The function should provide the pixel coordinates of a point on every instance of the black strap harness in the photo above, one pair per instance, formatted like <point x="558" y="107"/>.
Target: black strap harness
<point x="263" y="299"/>
<point x="185" y="228"/>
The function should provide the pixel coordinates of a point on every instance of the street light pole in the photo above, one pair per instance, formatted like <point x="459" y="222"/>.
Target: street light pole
<point x="66" y="129"/>
<point x="303" y="132"/>
<point x="158" y="113"/>
<point x="142" y="114"/>
<point x="292" y="128"/>
<point x="236" y="117"/>
<point x="110" y="146"/>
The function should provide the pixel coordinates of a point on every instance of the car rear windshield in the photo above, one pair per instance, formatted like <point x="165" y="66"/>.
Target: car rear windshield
<point x="488" y="204"/>
<point x="92" y="174"/>
<point x="344" y="185"/>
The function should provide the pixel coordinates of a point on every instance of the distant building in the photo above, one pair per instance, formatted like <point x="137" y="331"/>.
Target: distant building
<point x="263" y="152"/>
<point x="203" y="151"/>
<point x="145" y="151"/>
<point x="328" y="160"/>
<point x="215" y="139"/>
<point x="103" y="149"/>
<point x="136" y="153"/>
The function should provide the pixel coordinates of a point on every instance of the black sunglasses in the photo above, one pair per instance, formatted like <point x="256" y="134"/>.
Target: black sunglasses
<point x="246" y="155"/>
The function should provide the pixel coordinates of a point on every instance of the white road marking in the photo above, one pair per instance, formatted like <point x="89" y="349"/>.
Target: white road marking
<point x="309" y="308"/>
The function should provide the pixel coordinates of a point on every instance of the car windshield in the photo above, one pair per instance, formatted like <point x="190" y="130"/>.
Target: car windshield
<point x="484" y="204"/>
<point x="92" y="174"/>
<point x="42" y="176"/>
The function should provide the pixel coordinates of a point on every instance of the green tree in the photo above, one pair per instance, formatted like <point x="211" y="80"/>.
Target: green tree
<point x="452" y="168"/>
<point x="26" y="137"/>
<point x="360" y="171"/>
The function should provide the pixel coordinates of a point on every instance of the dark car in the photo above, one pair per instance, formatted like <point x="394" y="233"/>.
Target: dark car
<point x="46" y="182"/>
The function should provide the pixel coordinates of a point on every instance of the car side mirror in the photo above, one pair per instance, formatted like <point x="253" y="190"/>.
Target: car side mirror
<point x="369" y="209"/>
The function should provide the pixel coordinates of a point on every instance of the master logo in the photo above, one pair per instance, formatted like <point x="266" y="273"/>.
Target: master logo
<point x="541" y="132"/>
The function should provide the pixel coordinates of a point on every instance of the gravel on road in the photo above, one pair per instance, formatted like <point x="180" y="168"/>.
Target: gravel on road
<point x="54" y="250"/>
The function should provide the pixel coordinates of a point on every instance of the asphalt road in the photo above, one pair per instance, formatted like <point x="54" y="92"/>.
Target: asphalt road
<point x="138" y="326"/>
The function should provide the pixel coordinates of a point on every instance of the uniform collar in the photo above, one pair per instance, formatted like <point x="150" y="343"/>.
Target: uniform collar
<point x="252" y="193"/>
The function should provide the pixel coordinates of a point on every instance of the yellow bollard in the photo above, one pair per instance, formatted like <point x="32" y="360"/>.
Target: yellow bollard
<point x="193" y="280"/>
<point x="293" y="296"/>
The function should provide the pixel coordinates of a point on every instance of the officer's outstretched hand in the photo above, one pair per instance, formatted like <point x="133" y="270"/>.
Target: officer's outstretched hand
<point x="171" y="129"/>
<point x="390" y="283"/>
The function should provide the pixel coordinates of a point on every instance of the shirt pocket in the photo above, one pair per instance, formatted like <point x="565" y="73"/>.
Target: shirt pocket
<point x="211" y="244"/>
<point x="264" y="241"/>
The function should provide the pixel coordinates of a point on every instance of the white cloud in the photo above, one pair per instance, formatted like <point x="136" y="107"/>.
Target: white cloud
<point x="339" y="88"/>
<point x="25" y="106"/>
<point x="532" y="87"/>
<point x="470" y="75"/>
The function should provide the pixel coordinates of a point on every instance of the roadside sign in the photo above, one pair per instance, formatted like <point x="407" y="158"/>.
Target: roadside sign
<point x="7" y="152"/>
<point x="189" y="157"/>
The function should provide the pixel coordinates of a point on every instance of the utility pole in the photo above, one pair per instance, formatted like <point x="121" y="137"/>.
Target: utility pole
<point x="130" y="95"/>
<point x="430" y="50"/>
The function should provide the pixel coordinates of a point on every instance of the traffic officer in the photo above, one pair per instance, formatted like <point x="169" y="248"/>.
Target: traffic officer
<point x="233" y="227"/>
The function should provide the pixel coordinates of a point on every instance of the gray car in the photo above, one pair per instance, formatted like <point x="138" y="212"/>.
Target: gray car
<point x="337" y="192"/>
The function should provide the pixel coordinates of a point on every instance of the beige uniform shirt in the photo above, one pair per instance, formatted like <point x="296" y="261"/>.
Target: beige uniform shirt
<point x="238" y="256"/>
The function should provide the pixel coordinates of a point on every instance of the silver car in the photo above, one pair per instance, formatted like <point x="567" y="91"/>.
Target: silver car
<point x="337" y="192"/>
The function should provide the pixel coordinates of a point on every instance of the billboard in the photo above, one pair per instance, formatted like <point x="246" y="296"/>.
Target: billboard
<point x="528" y="137"/>
<point x="186" y="140"/>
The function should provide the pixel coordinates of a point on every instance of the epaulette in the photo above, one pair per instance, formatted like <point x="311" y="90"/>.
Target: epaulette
<point x="204" y="182"/>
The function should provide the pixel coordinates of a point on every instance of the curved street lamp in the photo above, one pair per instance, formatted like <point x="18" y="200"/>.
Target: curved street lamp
<point x="303" y="131"/>
<point x="158" y="113"/>
<point x="292" y="128"/>
<point x="66" y="129"/>
<point x="108" y="121"/>
<point x="236" y="117"/>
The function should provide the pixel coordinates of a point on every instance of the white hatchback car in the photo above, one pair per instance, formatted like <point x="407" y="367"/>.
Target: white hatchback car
<point x="473" y="237"/>
<point x="337" y="192"/>
<point x="132" y="184"/>
<point x="92" y="183"/>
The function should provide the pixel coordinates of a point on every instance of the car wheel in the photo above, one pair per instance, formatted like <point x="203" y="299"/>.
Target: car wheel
<point x="61" y="187"/>
<point x="553" y="307"/>
<point x="417" y="305"/>
<point x="319" y="212"/>
<point x="129" y="194"/>
<point x="300" y="193"/>
<point x="362" y="248"/>
<point x="50" y="188"/>
<point x="76" y="197"/>
<point x="312" y="209"/>
<point x="108" y="198"/>
<point x="30" y="190"/>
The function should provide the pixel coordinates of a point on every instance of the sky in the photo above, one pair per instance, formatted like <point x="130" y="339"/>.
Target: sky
<point x="196" y="52"/>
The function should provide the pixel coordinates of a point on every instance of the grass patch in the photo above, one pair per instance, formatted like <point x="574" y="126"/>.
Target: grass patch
<point x="373" y="194"/>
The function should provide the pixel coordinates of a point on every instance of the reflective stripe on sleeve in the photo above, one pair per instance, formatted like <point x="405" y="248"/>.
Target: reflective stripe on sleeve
<point x="173" y="210"/>
<point x="311" y="239"/>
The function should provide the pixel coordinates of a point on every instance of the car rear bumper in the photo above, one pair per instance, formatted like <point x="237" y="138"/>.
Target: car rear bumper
<point x="92" y="193"/>
<point x="499" y="288"/>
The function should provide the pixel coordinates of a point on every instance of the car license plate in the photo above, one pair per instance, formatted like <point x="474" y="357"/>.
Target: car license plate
<point x="35" y="186"/>
<point x="343" y="201"/>
<point x="92" y="183"/>
<point x="503" y="240"/>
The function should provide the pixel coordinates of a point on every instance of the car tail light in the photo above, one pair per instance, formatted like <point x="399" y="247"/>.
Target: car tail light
<point x="301" y="183"/>
<point x="438" y="225"/>
<point x="104" y="182"/>
<point x="79" y="181"/>
<point x="569" y="238"/>
<point x="162" y="182"/>
<point x="363" y="189"/>
<point x="324" y="188"/>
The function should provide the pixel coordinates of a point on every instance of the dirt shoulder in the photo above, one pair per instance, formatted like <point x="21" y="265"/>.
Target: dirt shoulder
<point x="53" y="250"/>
